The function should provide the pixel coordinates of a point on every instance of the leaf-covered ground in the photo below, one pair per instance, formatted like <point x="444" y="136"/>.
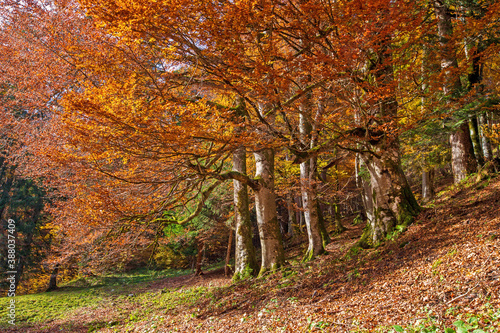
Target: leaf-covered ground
<point x="442" y="273"/>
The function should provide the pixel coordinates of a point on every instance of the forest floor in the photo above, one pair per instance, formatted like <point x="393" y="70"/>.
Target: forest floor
<point x="440" y="275"/>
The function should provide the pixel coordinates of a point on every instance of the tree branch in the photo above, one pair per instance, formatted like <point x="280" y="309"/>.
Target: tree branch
<point x="204" y="196"/>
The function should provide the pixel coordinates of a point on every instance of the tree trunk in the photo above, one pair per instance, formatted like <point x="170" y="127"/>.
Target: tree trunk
<point x="245" y="260"/>
<point x="19" y="271"/>
<point x="227" y="268"/>
<point x="309" y="200"/>
<point x="27" y="243"/>
<point x="308" y="188"/>
<point x="333" y="208"/>
<point x="6" y="179"/>
<point x="292" y="216"/>
<point x="273" y="255"/>
<point x="428" y="184"/>
<point x="53" y="279"/>
<point x="485" y="142"/>
<point x="390" y="201"/>
<point x="449" y="63"/>
<point x="199" y="258"/>
<point x="476" y="143"/>
<point x="363" y="182"/>
<point x="462" y="153"/>
<point x="339" y="228"/>
<point x="389" y="198"/>
<point x="325" y="237"/>
<point x="300" y="214"/>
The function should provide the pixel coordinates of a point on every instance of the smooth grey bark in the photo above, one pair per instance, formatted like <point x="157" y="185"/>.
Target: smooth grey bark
<point x="427" y="171"/>
<point x="245" y="259"/>
<point x="308" y="173"/>
<point x="309" y="195"/>
<point x="428" y="184"/>
<point x="366" y="197"/>
<point x="485" y="142"/>
<point x="357" y="170"/>
<point x="475" y="83"/>
<point x="462" y="153"/>
<point x="273" y="255"/>
<point x="476" y="141"/>
<point x="489" y="120"/>
<point x="363" y="183"/>
<point x="460" y="141"/>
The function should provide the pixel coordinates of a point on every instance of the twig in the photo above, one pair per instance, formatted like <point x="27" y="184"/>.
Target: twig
<point x="460" y="296"/>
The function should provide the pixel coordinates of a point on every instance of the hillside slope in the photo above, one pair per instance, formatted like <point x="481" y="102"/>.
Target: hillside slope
<point x="444" y="268"/>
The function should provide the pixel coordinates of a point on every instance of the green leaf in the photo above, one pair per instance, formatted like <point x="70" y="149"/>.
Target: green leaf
<point x="398" y="328"/>
<point x="478" y="331"/>
<point x="449" y="330"/>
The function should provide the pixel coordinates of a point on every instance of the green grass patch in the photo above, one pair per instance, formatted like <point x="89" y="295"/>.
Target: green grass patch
<point x="49" y="306"/>
<point x="93" y="292"/>
<point x="170" y="299"/>
<point x="121" y="279"/>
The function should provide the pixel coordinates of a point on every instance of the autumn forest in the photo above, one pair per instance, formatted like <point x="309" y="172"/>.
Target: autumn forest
<point x="305" y="141"/>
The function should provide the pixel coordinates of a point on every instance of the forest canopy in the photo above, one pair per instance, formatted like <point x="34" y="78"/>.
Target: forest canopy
<point x="138" y="131"/>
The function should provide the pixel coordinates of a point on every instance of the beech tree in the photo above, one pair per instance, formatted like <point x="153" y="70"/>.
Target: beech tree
<point x="230" y="65"/>
<point x="61" y="36"/>
<point x="149" y="103"/>
<point x="463" y="42"/>
<point x="462" y="159"/>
